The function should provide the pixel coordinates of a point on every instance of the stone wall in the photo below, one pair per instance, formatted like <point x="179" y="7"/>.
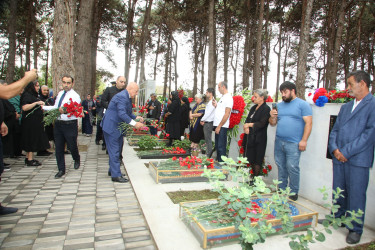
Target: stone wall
<point x="316" y="169"/>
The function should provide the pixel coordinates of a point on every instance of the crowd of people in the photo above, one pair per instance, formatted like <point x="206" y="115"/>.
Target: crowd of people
<point x="351" y="141"/>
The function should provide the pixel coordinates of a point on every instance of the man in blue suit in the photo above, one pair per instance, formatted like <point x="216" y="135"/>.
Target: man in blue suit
<point x="351" y="144"/>
<point x="119" y="110"/>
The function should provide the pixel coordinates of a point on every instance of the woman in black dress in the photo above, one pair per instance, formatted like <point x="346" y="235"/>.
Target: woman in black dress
<point x="185" y="109"/>
<point x="34" y="137"/>
<point x="255" y="127"/>
<point x="174" y="116"/>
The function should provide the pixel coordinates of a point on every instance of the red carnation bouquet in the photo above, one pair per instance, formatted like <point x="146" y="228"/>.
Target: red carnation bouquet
<point x="237" y="111"/>
<point x="71" y="109"/>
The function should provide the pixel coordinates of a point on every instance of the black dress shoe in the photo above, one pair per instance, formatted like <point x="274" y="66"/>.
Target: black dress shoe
<point x="119" y="179"/>
<point x="109" y="174"/>
<point x="294" y="197"/>
<point x="353" y="238"/>
<point x="59" y="174"/>
<point x="77" y="164"/>
<point x="7" y="210"/>
<point x="97" y="142"/>
<point x="6" y="164"/>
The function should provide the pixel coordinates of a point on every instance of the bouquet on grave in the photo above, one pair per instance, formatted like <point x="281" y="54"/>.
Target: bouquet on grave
<point x="71" y="109"/>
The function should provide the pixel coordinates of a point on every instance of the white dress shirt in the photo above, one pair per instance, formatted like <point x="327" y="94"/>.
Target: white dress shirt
<point x="70" y="94"/>
<point x="209" y="113"/>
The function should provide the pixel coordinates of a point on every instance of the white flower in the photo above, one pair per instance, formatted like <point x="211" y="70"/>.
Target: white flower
<point x="182" y="138"/>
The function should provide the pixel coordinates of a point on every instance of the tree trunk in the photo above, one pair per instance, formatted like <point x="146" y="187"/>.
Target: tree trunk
<point x="157" y="54"/>
<point x="96" y="20"/>
<point x="166" y="67"/>
<point x="267" y="39"/>
<point x="129" y="37"/>
<point x="203" y="44"/>
<point x="227" y="36"/>
<point x="211" y="81"/>
<point x="196" y="61"/>
<point x="175" y="53"/>
<point x="258" y="49"/>
<point x="11" y="62"/>
<point x="358" y="37"/>
<point x="246" y="52"/>
<point x="144" y="39"/>
<point x="82" y="49"/>
<point x="47" y="60"/>
<point x="337" y="44"/>
<point x="63" y="40"/>
<point x="303" y="47"/>
<point x="28" y="31"/>
<point x="278" y="53"/>
<point x="35" y="41"/>
<point x="287" y="47"/>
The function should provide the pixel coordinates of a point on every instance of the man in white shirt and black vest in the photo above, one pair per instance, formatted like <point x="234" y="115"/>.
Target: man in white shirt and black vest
<point x="65" y="128"/>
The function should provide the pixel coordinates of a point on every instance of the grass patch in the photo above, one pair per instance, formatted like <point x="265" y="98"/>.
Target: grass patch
<point x="366" y="246"/>
<point x="183" y="196"/>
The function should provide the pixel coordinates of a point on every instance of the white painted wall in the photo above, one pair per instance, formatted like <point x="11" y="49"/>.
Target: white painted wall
<point x="316" y="169"/>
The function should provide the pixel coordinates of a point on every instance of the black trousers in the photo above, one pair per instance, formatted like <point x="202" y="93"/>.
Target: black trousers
<point x="65" y="131"/>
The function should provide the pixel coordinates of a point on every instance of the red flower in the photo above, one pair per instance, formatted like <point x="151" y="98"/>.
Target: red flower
<point x="251" y="171"/>
<point x="237" y="111"/>
<point x="242" y="150"/>
<point x="174" y="158"/>
<point x="240" y="143"/>
<point x="166" y="135"/>
<point x="269" y="167"/>
<point x="309" y="94"/>
<point x="265" y="171"/>
<point x="269" y="99"/>
<point x="242" y="136"/>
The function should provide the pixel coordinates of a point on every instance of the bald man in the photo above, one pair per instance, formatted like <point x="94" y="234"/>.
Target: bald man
<point x="119" y="110"/>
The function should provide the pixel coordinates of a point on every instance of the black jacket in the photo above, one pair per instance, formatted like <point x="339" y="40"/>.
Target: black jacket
<point x="156" y="111"/>
<point x="108" y="94"/>
<point x="175" y="109"/>
<point x="258" y="133"/>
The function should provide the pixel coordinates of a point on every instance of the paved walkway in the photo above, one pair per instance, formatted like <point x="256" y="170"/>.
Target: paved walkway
<point x="82" y="210"/>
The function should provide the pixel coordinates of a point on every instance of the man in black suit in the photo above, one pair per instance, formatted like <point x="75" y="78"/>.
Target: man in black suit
<point x="113" y="90"/>
<point x="154" y="111"/>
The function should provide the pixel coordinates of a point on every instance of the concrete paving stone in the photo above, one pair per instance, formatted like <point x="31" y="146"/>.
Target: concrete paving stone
<point x="113" y="244"/>
<point x="26" y="247"/>
<point x="48" y="246"/>
<point x="25" y="237"/>
<point x="108" y="232"/>
<point x="52" y="234"/>
<point x="57" y="208"/>
<point x="31" y="220"/>
<point x="58" y="215"/>
<point x="107" y="225"/>
<point x="82" y="246"/>
<point x="149" y="247"/>
<point x="102" y="211"/>
<point x="127" y="229"/>
<point x="58" y="202"/>
<point x="74" y="226"/>
<point x="139" y="238"/>
<point x="25" y="231"/>
<point x="72" y="232"/>
<point x="135" y="234"/>
<point x="11" y="217"/>
<point x="81" y="240"/>
<point x="137" y="244"/>
<point x="90" y="219"/>
<point x="57" y="239"/>
<point x="53" y="229"/>
<point x="62" y="224"/>
<point x="17" y="243"/>
<point x="108" y="237"/>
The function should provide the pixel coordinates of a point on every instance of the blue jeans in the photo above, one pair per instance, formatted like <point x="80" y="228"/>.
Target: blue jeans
<point x="221" y="143"/>
<point x="287" y="157"/>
